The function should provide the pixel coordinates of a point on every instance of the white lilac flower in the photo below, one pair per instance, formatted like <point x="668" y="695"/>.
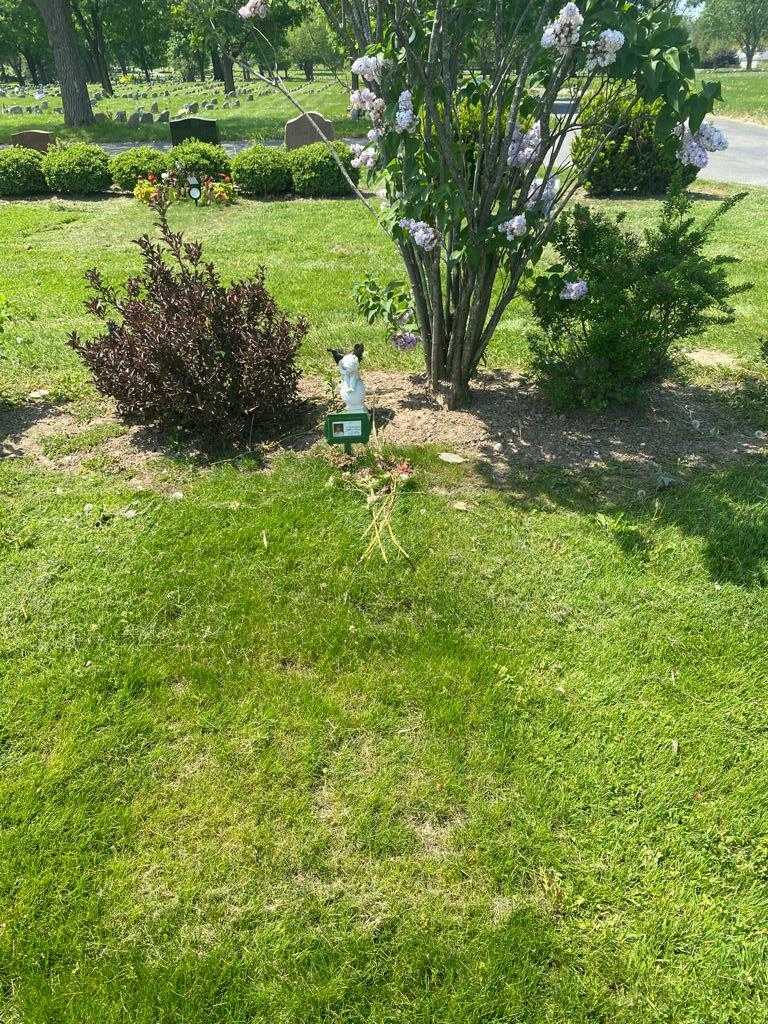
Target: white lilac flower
<point x="514" y="228"/>
<point x="406" y="341"/>
<point x="603" y="51"/>
<point x="405" y="119"/>
<point x="524" y="148"/>
<point x="574" y="290"/>
<point x="254" y="9"/>
<point x="690" y="153"/>
<point x="422" y="234"/>
<point x="541" y="194"/>
<point x="711" y="138"/>
<point x="694" y="146"/>
<point x="564" y="31"/>
<point x="363" y="156"/>
<point x="362" y="99"/>
<point x="375" y="134"/>
<point x="369" y="68"/>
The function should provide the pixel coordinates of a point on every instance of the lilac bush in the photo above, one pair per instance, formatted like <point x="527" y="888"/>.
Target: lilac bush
<point x="471" y="216"/>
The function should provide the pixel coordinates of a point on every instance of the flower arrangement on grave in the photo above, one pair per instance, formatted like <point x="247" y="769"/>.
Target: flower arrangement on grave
<point x="176" y="187"/>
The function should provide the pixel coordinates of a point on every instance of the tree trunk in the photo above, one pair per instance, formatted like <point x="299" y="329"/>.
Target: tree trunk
<point x="227" y="72"/>
<point x="309" y="70"/>
<point x="57" y="18"/>
<point x="34" y="71"/>
<point x="101" y="51"/>
<point x="93" y="33"/>
<point x="750" y="56"/>
<point x="144" y="65"/>
<point x="18" y="71"/>
<point x="218" y="73"/>
<point x="246" y="70"/>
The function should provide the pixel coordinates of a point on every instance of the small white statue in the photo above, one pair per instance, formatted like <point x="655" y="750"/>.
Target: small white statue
<point x="352" y="388"/>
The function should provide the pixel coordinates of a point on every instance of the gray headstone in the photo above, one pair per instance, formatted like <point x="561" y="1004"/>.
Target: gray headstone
<point x="134" y="119"/>
<point x="15" y="110"/>
<point x="301" y="132"/>
<point x="193" y="108"/>
<point x="164" y="117"/>
<point x="194" y="128"/>
<point x="41" y="141"/>
<point x="147" y="118"/>
<point x="100" y="118"/>
<point x="154" y="108"/>
<point x="121" y="117"/>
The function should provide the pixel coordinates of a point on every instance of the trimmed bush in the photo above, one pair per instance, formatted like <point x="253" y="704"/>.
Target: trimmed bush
<point x="263" y="171"/>
<point x="130" y="167"/>
<point x="77" y="169"/>
<point x="21" y="172"/>
<point x="633" y="159"/>
<point x="203" y="159"/>
<point x="316" y="173"/>
<point x="181" y="348"/>
<point x="615" y="302"/>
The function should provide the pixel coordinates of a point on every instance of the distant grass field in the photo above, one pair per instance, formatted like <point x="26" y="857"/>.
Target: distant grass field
<point x="314" y="252"/>
<point x="745" y="94"/>
<point x="262" y="118"/>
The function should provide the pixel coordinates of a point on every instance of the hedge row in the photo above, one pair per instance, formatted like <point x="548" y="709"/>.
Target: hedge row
<point x="84" y="169"/>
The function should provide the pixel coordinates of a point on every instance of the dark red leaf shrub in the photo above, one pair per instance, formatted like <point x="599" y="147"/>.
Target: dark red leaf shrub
<point x="182" y="349"/>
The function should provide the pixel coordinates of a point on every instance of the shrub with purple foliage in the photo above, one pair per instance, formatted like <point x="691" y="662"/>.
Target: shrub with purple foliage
<point x="180" y="348"/>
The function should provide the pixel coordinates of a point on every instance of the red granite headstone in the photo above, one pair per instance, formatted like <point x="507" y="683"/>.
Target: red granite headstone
<point x="41" y="141"/>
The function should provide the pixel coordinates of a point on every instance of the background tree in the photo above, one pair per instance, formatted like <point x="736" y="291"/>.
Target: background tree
<point x="24" y="43"/>
<point x="138" y="32"/>
<point x="311" y="43"/>
<point x="740" y="22"/>
<point x="57" y="17"/>
<point x="89" y="16"/>
<point x="223" y="35"/>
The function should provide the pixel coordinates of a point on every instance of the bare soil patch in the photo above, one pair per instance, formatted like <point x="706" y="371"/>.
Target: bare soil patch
<point x="510" y="424"/>
<point x="711" y="357"/>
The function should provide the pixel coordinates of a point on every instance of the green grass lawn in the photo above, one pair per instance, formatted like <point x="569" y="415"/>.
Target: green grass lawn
<point x="519" y="778"/>
<point x="745" y="93"/>
<point x="262" y="118"/>
<point x="314" y="252"/>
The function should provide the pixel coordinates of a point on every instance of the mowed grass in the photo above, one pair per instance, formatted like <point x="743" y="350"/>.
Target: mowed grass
<point x="521" y="777"/>
<point x="517" y="778"/>
<point x="314" y="253"/>
<point x="745" y="93"/>
<point x="263" y="117"/>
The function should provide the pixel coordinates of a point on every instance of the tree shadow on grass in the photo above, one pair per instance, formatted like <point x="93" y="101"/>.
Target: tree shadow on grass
<point x="15" y="423"/>
<point x="726" y="508"/>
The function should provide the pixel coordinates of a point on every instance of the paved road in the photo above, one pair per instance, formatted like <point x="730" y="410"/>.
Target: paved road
<point x="746" y="159"/>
